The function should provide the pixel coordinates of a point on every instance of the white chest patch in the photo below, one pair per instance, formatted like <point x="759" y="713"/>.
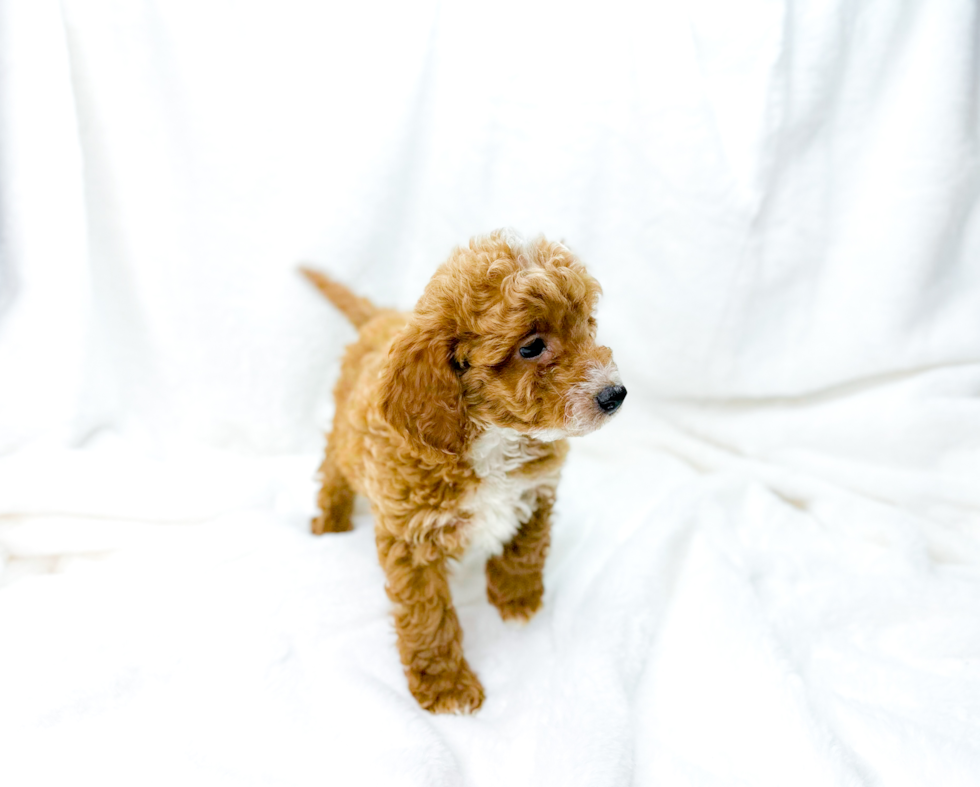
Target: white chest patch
<point x="503" y="500"/>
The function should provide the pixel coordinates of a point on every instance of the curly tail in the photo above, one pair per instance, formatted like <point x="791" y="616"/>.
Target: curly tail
<point x="355" y="308"/>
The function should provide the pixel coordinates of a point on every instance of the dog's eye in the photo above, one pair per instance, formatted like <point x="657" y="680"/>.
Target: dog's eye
<point x="534" y="349"/>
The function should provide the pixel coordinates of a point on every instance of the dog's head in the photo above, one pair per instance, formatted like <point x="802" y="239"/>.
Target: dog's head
<point x="503" y="335"/>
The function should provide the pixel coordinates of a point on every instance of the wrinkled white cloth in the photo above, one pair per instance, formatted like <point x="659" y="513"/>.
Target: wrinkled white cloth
<point x="765" y="570"/>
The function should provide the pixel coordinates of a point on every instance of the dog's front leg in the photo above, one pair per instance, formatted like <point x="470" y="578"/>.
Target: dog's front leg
<point x="515" y="584"/>
<point x="430" y="640"/>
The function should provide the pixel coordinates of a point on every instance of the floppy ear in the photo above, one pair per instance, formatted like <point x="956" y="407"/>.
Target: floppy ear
<point x="421" y="395"/>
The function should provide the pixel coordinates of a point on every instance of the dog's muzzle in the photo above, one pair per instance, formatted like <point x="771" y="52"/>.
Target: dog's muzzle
<point x="610" y="398"/>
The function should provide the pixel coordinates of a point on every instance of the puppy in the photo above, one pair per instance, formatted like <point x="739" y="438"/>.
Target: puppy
<point x="452" y="420"/>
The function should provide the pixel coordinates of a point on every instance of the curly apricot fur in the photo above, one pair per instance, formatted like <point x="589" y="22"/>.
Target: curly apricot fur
<point x="418" y="393"/>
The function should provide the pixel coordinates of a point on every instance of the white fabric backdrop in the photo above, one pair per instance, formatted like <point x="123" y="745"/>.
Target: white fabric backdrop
<point x="766" y="571"/>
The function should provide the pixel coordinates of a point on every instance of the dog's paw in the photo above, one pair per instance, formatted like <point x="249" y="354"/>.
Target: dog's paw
<point x="459" y="693"/>
<point x="517" y="598"/>
<point x="519" y="610"/>
<point x="325" y="523"/>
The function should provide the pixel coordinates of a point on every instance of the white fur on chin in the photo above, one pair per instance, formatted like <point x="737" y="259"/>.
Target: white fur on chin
<point x="548" y="435"/>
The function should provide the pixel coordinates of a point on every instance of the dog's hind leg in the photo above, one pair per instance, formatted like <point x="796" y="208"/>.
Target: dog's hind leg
<point x="335" y="501"/>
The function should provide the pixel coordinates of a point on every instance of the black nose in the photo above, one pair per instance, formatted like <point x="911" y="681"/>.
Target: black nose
<point x="609" y="399"/>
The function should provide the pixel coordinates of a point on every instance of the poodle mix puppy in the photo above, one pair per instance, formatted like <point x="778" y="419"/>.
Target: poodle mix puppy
<point x="452" y="420"/>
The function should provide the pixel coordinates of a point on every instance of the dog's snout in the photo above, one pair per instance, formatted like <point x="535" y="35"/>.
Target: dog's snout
<point x="610" y="398"/>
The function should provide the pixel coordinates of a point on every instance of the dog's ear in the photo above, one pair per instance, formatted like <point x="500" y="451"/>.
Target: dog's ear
<point x="421" y="393"/>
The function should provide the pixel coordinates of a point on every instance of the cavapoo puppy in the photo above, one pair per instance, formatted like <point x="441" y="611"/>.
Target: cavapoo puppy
<point x="452" y="420"/>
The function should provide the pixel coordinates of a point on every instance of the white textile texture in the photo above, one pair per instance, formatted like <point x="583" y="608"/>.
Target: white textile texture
<point x="765" y="571"/>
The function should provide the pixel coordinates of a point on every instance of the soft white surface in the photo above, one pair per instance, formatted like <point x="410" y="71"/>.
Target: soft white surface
<point x="766" y="571"/>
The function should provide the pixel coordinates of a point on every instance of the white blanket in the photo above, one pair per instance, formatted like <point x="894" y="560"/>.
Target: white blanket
<point x="765" y="571"/>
